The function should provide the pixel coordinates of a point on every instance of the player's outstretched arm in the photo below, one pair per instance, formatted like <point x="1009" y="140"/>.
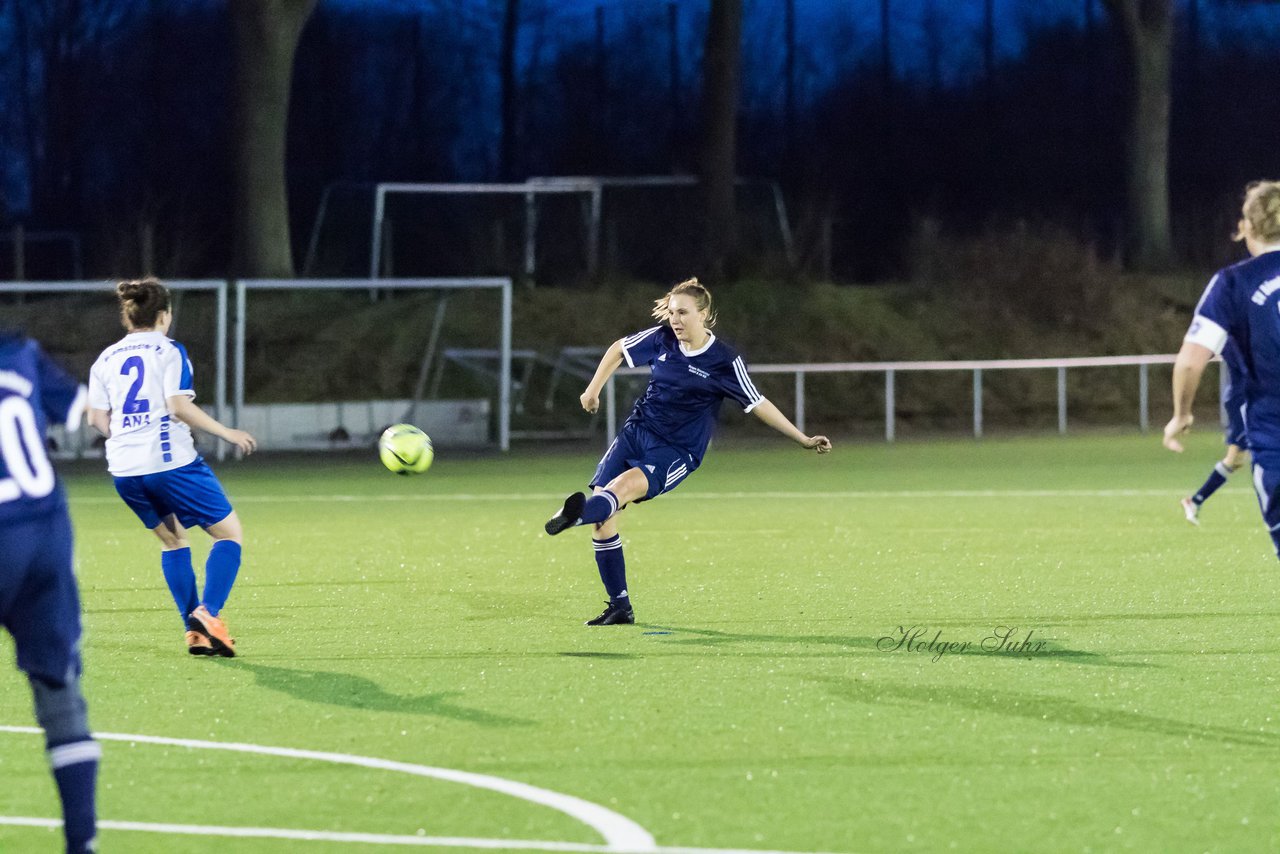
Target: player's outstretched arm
<point x="771" y="415"/>
<point x="1187" y="370"/>
<point x="609" y="363"/>
<point x="186" y="409"/>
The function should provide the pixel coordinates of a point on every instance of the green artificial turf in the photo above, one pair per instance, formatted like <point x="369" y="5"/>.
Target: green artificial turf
<point x="762" y="700"/>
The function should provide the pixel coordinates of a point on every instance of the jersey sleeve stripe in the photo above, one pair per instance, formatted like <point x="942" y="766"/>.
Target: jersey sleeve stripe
<point x="1208" y="288"/>
<point x="740" y="370"/>
<point x="185" y="382"/>
<point x="76" y="411"/>
<point x="632" y="340"/>
<point x="1206" y="333"/>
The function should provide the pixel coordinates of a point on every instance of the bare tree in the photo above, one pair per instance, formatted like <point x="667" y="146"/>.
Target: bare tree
<point x="508" y="83"/>
<point x="720" y="83"/>
<point x="1147" y="26"/>
<point x="266" y="36"/>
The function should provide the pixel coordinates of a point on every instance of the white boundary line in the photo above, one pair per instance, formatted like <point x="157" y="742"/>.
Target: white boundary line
<point x="702" y="496"/>
<point x="377" y="838"/>
<point x="619" y="832"/>
<point x="622" y="836"/>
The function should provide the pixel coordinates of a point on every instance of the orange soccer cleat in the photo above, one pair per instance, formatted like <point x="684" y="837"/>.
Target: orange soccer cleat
<point x="202" y="622"/>
<point x="198" y="643"/>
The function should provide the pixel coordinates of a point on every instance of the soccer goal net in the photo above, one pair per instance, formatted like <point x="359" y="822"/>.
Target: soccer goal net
<point x="74" y="321"/>
<point x="327" y="364"/>
<point x="560" y="229"/>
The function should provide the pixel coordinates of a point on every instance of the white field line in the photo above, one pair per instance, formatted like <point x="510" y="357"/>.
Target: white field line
<point x="376" y="838"/>
<point x="702" y="496"/>
<point x="619" y="832"/>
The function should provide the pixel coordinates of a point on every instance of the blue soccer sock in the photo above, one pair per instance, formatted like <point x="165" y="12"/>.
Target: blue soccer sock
<point x="75" y="769"/>
<point x="599" y="507"/>
<point x="220" y="573"/>
<point x="1216" y="479"/>
<point x="181" y="578"/>
<point x="613" y="568"/>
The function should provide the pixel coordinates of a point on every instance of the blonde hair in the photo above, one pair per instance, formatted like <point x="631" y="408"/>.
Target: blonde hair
<point x="1260" y="212"/>
<point x="701" y="301"/>
<point x="141" y="301"/>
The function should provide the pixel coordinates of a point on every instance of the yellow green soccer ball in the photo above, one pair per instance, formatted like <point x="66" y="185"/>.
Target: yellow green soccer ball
<point x="405" y="449"/>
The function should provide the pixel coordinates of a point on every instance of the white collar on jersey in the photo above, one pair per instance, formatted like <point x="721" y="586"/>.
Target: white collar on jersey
<point x="711" y="339"/>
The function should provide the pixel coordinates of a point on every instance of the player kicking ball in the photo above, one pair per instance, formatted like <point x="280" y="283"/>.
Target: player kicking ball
<point x="665" y="438"/>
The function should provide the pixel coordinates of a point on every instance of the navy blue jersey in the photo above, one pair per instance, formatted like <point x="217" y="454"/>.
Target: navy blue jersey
<point x="34" y="393"/>
<point x="686" y="387"/>
<point x="1242" y="305"/>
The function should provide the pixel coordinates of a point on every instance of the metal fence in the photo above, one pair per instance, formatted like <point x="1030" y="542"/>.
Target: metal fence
<point x="890" y="370"/>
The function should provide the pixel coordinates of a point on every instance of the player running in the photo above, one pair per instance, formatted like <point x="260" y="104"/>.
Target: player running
<point x="666" y="435"/>
<point x="39" y="602"/>
<point x="1237" y="438"/>
<point x="142" y="399"/>
<point x="1241" y="304"/>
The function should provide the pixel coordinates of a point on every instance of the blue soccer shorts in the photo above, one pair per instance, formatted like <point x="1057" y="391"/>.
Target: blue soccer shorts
<point x="1236" y="434"/>
<point x="39" y="604"/>
<point x="192" y="493"/>
<point x="664" y="466"/>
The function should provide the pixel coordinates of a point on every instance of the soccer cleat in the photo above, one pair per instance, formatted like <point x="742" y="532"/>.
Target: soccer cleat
<point x="614" y="615"/>
<point x="198" y="643"/>
<point x="568" y="516"/>
<point x="1191" y="510"/>
<point x="214" y="629"/>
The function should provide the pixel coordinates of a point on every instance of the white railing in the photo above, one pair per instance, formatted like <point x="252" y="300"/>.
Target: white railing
<point x="977" y="367"/>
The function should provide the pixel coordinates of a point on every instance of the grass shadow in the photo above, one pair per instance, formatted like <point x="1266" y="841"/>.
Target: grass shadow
<point x="357" y="692"/>
<point x="856" y="643"/>
<point x="1041" y="708"/>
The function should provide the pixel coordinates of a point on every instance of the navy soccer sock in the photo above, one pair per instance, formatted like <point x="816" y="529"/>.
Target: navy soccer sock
<point x="1216" y="479"/>
<point x="75" y="769"/>
<point x="220" y="573"/>
<point x="613" y="568"/>
<point x="599" y="507"/>
<point x="181" y="578"/>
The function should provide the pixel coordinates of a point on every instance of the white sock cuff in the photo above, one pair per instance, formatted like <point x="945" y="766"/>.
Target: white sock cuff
<point x="74" y="753"/>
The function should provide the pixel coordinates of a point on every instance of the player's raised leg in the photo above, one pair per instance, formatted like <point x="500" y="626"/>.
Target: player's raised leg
<point x="1222" y="470"/>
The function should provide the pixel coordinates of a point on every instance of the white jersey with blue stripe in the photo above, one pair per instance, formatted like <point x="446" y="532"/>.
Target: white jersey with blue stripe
<point x="134" y="378"/>
<point x="686" y="387"/>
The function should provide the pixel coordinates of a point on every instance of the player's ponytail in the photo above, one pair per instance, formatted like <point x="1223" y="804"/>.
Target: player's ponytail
<point x="701" y="301"/>
<point x="1261" y="212"/>
<point x="141" y="301"/>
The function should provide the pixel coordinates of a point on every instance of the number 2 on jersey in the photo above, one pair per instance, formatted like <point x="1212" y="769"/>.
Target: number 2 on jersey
<point x="132" y="405"/>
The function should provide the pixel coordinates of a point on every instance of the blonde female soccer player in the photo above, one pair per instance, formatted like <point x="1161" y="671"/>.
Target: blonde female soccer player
<point x="141" y="397"/>
<point x="1241" y="306"/>
<point x="666" y="435"/>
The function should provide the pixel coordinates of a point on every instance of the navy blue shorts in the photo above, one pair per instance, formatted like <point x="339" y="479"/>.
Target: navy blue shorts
<point x="39" y="604"/>
<point x="192" y="493"/>
<point x="635" y="447"/>
<point x="1236" y="434"/>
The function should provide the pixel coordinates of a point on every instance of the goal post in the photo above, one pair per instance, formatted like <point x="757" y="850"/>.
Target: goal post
<point x="500" y="284"/>
<point x="107" y="329"/>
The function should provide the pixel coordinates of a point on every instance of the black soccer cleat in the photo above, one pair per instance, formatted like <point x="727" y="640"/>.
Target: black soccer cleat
<point x="570" y="514"/>
<point x="614" y="615"/>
